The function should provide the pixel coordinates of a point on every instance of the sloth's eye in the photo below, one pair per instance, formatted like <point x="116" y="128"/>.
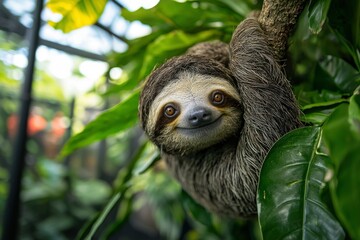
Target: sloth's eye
<point x="217" y="97"/>
<point x="170" y="110"/>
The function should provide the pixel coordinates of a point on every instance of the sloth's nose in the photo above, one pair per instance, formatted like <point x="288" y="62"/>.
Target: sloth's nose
<point x="199" y="117"/>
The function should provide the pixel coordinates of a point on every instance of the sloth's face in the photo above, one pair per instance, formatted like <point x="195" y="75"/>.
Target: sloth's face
<point x="194" y="112"/>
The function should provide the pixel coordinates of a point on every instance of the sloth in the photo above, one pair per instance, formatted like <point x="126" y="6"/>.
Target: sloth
<point x="215" y="112"/>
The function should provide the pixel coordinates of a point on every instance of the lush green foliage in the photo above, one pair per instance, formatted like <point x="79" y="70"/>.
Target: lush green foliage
<point x="75" y="14"/>
<point x="292" y="179"/>
<point x="309" y="184"/>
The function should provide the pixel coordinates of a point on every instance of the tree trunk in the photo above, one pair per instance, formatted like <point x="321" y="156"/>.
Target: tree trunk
<point x="278" y="18"/>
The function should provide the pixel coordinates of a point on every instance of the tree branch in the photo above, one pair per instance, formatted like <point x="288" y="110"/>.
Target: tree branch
<point x="278" y="18"/>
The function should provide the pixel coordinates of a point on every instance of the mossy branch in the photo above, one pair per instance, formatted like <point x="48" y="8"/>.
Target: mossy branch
<point x="278" y="18"/>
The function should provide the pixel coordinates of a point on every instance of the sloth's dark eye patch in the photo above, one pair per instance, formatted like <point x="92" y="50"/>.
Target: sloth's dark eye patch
<point x="217" y="97"/>
<point x="169" y="113"/>
<point x="170" y="110"/>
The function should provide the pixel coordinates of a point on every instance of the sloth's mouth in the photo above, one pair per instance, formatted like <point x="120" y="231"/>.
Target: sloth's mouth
<point x="207" y="127"/>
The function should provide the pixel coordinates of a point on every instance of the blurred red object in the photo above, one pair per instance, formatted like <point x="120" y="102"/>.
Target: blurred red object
<point x="58" y="126"/>
<point x="36" y="123"/>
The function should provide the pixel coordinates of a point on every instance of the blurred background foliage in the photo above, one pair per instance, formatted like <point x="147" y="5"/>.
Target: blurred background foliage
<point x="108" y="180"/>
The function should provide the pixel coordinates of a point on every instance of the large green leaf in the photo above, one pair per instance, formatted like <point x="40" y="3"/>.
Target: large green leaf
<point x="289" y="194"/>
<point x="346" y="193"/>
<point x="187" y="16"/>
<point x="111" y="121"/>
<point x="75" y="13"/>
<point x="317" y="13"/>
<point x="345" y="77"/>
<point x="343" y="144"/>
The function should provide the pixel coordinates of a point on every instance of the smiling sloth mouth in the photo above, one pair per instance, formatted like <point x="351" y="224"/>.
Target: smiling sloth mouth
<point x="207" y="127"/>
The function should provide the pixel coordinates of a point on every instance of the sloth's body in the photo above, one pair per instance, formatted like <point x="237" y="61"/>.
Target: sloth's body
<point x="215" y="112"/>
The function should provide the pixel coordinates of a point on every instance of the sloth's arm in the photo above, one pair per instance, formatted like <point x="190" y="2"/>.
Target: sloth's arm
<point x="270" y="109"/>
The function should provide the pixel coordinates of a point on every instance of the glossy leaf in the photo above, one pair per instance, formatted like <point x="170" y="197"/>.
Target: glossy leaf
<point x="75" y="13"/>
<point x="112" y="121"/>
<point x="317" y="14"/>
<point x="289" y="194"/>
<point x="345" y="77"/>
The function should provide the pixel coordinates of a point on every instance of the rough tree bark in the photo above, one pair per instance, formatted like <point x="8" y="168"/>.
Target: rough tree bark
<point x="278" y="19"/>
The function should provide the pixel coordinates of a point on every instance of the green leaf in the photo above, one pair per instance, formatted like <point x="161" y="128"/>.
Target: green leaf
<point x="345" y="77"/>
<point x="346" y="193"/>
<point x="306" y="97"/>
<point x="354" y="112"/>
<point x="317" y="107"/>
<point x="239" y="7"/>
<point x="316" y="118"/>
<point x="111" y="204"/>
<point x="353" y="51"/>
<point x="149" y="163"/>
<point x="127" y="173"/>
<point x="122" y="218"/>
<point x="86" y="227"/>
<point x="317" y="13"/>
<point x="171" y="44"/>
<point x="344" y="147"/>
<point x="289" y="194"/>
<point x="122" y="185"/>
<point x="338" y="137"/>
<point x="111" y="121"/>
<point x="75" y="13"/>
<point x="323" y="105"/>
<point x="131" y="62"/>
<point x="169" y="14"/>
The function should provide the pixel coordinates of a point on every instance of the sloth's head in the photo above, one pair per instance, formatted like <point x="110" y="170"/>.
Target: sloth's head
<point x="191" y="112"/>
